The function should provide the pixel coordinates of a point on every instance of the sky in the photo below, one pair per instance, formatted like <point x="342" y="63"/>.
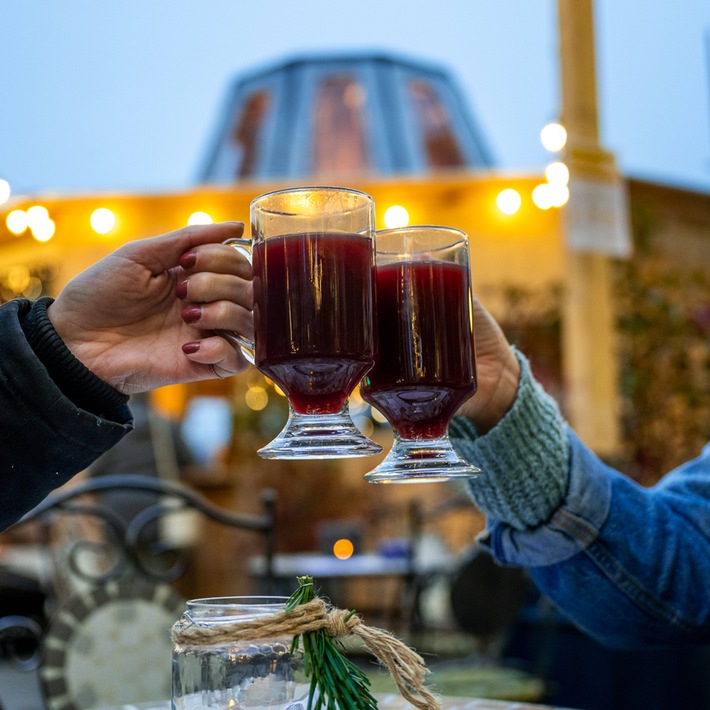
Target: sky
<point x="102" y="96"/>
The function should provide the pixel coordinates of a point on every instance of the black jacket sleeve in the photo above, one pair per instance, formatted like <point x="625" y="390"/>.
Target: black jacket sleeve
<point x="56" y="416"/>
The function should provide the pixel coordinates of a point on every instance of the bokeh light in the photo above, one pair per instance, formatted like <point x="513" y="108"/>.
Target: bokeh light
<point x="553" y="137"/>
<point x="5" y="191"/>
<point x="102" y="220"/>
<point x="16" y="221"/>
<point x="396" y="216"/>
<point x="343" y="549"/>
<point x="557" y="173"/>
<point x="509" y="201"/>
<point x="199" y="218"/>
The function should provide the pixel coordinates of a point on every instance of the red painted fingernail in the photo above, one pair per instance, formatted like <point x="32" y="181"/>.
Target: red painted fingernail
<point x="191" y="314"/>
<point x="181" y="290"/>
<point x="193" y="347"/>
<point x="188" y="260"/>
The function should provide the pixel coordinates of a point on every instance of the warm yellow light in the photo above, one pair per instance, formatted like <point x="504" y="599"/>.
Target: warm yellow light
<point x="378" y="416"/>
<point x="4" y="191"/>
<point x="102" y="220"/>
<point x="396" y="216"/>
<point x="508" y="201"/>
<point x="256" y="398"/>
<point x="542" y="196"/>
<point x="43" y="230"/>
<point x="18" y="278"/>
<point x="557" y="173"/>
<point x="36" y="215"/>
<point x="553" y="137"/>
<point x="364" y="424"/>
<point x="16" y="221"/>
<point x="199" y="218"/>
<point x="343" y="549"/>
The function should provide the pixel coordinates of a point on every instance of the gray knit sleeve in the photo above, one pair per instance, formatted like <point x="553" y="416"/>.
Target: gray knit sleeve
<point x="524" y="458"/>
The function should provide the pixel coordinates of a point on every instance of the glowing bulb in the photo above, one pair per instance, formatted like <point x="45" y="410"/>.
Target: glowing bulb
<point x="559" y="195"/>
<point x="18" y="278"/>
<point x="16" y="221"/>
<point x="553" y="137"/>
<point x="557" y="173"/>
<point x="43" y="231"/>
<point x="36" y="215"/>
<point x="4" y="191"/>
<point x="256" y="398"/>
<point x="102" y="220"/>
<point x="542" y="196"/>
<point x="508" y="201"/>
<point x="396" y="216"/>
<point x="199" y="218"/>
<point x="343" y="549"/>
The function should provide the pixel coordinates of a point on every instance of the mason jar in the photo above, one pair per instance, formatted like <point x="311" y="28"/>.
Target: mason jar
<point x="213" y="667"/>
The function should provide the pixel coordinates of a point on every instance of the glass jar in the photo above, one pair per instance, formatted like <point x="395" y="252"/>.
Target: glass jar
<point x="255" y="674"/>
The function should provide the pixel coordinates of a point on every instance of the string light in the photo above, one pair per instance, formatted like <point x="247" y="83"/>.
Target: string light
<point x="509" y="201"/>
<point x="199" y="218"/>
<point x="553" y="137"/>
<point x="102" y="220"/>
<point x="5" y="191"/>
<point x="396" y="216"/>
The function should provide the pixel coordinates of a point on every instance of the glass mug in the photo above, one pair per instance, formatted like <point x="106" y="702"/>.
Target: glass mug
<point x="235" y="674"/>
<point x="313" y="255"/>
<point x="426" y="367"/>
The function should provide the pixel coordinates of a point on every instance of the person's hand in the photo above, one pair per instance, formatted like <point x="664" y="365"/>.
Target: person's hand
<point x="498" y="373"/>
<point x="145" y="315"/>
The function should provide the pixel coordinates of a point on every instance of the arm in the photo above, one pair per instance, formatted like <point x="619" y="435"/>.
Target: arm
<point x="141" y="318"/>
<point x="625" y="563"/>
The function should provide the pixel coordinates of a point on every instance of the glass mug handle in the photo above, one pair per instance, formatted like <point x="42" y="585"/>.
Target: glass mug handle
<point x="243" y="246"/>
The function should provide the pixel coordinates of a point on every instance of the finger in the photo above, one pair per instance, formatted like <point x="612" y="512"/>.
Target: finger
<point x="206" y="288"/>
<point x="162" y="253"/>
<point x="216" y="351"/>
<point x="222" y="315"/>
<point x="218" y="259"/>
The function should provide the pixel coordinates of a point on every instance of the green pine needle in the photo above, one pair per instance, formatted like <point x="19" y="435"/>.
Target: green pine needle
<point x="336" y="682"/>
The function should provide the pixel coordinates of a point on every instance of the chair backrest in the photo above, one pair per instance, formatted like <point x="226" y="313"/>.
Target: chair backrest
<point x="106" y="641"/>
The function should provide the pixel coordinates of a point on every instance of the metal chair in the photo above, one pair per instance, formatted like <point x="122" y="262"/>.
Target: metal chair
<point x="105" y="639"/>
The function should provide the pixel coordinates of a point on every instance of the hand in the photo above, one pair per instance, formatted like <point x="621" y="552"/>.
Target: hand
<point x="498" y="373"/>
<point x="145" y="315"/>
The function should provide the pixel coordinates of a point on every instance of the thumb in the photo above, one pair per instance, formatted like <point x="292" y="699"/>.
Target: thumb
<point x="161" y="253"/>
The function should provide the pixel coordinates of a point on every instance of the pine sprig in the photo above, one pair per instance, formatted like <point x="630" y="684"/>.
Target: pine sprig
<point x="336" y="682"/>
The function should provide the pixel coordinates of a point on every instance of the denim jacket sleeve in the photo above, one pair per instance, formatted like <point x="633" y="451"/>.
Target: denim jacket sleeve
<point x="629" y="565"/>
<point x="45" y="437"/>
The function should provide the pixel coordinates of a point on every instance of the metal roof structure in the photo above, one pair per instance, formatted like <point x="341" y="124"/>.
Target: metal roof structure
<point x="344" y="115"/>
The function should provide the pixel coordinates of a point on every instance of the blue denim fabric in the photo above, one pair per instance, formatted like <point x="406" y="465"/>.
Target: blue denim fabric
<point x="629" y="565"/>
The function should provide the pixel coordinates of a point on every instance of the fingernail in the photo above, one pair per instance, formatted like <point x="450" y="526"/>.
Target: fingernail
<point x="193" y="347"/>
<point x="191" y="314"/>
<point x="181" y="289"/>
<point x="188" y="260"/>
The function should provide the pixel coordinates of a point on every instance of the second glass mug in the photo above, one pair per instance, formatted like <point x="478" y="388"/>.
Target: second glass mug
<point x="426" y="367"/>
<point x="313" y="254"/>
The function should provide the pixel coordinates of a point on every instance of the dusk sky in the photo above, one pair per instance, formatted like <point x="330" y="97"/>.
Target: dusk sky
<point x="102" y="96"/>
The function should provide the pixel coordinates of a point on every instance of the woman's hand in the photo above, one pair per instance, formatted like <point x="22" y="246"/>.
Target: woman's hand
<point x="498" y="373"/>
<point x="145" y="315"/>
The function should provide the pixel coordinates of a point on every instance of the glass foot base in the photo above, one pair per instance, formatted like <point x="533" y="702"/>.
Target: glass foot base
<point x="324" y="436"/>
<point x="422" y="461"/>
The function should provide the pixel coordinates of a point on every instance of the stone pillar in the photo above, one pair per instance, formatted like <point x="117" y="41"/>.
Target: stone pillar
<point x="596" y="231"/>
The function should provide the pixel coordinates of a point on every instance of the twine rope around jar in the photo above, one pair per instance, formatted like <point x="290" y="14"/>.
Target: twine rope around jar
<point x="405" y="665"/>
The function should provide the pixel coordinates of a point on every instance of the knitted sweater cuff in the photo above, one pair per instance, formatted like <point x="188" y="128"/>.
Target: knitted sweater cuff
<point x="85" y="389"/>
<point x="524" y="458"/>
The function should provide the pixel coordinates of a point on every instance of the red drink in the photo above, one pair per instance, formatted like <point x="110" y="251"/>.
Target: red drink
<point x="313" y="316"/>
<point x="425" y="368"/>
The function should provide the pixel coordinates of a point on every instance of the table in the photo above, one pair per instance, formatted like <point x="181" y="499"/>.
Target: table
<point x="326" y="566"/>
